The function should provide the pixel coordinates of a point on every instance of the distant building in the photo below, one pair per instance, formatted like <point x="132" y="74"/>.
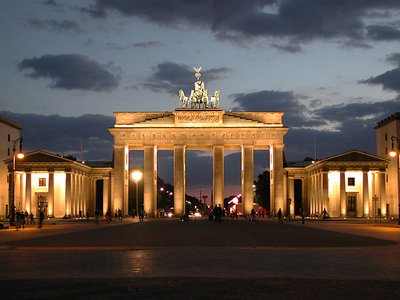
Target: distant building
<point x="388" y="135"/>
<point x="351" y="184"/>
<point x="61" y="187"/>
<point x="9" y="132"/>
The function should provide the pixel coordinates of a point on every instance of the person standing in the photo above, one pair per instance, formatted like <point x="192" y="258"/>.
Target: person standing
<point x="302" y="215"/>
<point x="280" y="216"/>
<point x="41" y="218"/>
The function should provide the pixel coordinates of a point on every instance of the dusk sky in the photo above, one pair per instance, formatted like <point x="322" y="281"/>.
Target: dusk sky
<point x="333" y="68"/>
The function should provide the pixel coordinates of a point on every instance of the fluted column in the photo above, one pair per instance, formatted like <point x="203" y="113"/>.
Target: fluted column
<point x="68" y="194"/>
<point x="50" y="195"/>
<point x="365" y="195"/>
<point x="247" y="178"/>
<point x="305" y="194"/>
<point x="218" y="175"/>
<point x="106" y="192"/>
<point x="343" y="200"/>
<point x="179" y="179"/>
<point x="325" y="195"/>
<point x="120" y="189"/>
<point x="276" y="173"/>
<point x="291" y="195"/>
<point x="150" y="180"/>
<point x="382" y="191"/>
<point x="28" y="192"/>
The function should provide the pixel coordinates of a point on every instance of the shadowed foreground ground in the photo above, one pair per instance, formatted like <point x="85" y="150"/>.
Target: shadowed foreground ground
<point x="199" y="288"/>
<point x="167" y="259"/>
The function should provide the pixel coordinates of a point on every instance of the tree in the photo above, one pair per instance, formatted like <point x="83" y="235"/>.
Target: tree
<point x="262" y="190"/>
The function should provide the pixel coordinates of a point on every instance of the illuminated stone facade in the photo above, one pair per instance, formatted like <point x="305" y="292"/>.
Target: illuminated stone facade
<point x="9" y="132"/>
<point x="351" y="184"/>
<point x="196" y="129"/>
<point x="58" y="186"/>
<point x="388" y="136"/>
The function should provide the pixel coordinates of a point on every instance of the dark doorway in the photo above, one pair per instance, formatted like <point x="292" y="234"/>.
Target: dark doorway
<point x="298" y="196"/>
<point x="99" y="194"/>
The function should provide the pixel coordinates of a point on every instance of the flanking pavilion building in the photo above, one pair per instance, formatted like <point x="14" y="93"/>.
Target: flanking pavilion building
<point x="59" y="186"/>
<point x="351" y="184"/>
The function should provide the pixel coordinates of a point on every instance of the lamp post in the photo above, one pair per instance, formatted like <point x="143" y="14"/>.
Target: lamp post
<point x="18" y="155"/>
<point x="136" y="176"/>
<point x="396" y="153"/>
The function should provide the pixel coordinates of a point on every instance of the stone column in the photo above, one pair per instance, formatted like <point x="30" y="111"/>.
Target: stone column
<point x="218" y="175"/>
<point x="179" y="179"/>
<point x="150" y="180"/>
<point x="305" y="196"/>
<point x="106" y="192"/>
<point x="247" y="178"/>
<point x="291" y="196"/>
<point x="325" y="195"/>
<point x="92" y="194"/>
<point x="312" y="194"/>
<point x="28" y="192"/>
<point x="343" y="200"/>
<point x="68" y="195"/>
<point x="73" y="194"/>
<point x="50" y="195"/>
<point x="120" y="189"/>
<point x="276" y="173"/>
<point x="382" y="192"/>
<point x="365" y="195"/>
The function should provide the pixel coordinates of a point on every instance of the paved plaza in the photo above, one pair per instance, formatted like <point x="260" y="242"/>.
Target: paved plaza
<point x="169" y="259"/>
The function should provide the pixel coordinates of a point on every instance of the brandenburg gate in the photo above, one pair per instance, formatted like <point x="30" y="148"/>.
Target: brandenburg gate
<point x="199" y="124"/>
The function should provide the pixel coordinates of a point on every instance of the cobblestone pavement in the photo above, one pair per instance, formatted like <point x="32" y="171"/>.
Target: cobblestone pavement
<point x="249" y="258"/>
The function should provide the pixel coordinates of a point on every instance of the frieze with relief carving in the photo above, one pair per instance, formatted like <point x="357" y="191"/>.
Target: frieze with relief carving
<point x="190" y="136"/>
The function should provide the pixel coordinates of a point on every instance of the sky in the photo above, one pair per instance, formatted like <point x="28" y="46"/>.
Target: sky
<point x="333" y="68"/>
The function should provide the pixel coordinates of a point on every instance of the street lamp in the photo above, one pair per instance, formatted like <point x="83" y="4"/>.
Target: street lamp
<point x="396" y="153"/>
<point x="136" y="176"/>
<point x="18" y="155"/>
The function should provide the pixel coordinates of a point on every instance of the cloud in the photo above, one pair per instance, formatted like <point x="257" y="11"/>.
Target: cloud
<point x="171" y="77"/>
<point x="63" y="135"/>
<point x="50" y="3"/>
<point x="288" y="48"/>
<point x="56" y="25"/>
<point x="70" y="72"/>
<point x="334" y="128"/>
<point x="296" y="113"/>
<point x="389" y="80"/>
<point x="383" y="33"/>
<point x="150" y="44"/>
<point x="300" y="21"/>
<point x="394" y="58"/>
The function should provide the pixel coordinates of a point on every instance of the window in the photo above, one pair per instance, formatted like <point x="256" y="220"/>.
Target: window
<point x="385" y="136"/>
<point x="42" y="181"/>
<point x="351" y="203"/>
<point x="351" y="181"/>
<point x="9" y="138"/>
